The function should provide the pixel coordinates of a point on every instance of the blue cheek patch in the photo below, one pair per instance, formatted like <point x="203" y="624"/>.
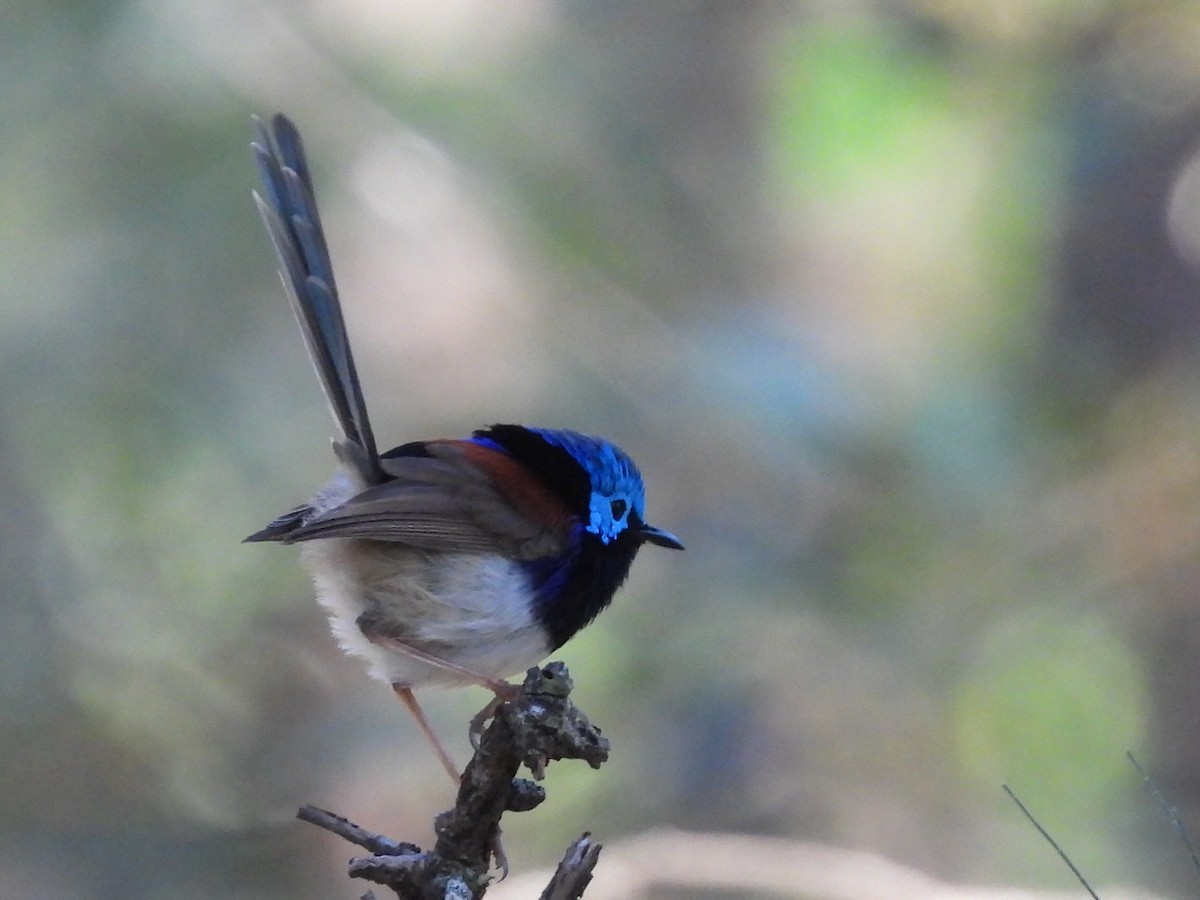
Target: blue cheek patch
<point x="601" y="522"/>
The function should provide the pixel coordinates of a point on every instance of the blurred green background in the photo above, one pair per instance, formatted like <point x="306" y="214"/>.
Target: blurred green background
<point x="896" y="303"/>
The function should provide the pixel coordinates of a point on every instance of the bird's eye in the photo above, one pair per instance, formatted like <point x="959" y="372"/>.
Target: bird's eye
<point x="618" y="509"/>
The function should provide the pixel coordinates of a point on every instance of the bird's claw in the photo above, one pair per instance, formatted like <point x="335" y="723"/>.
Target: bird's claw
<point x="504" y="693"/>
<point x="499" y="856"/>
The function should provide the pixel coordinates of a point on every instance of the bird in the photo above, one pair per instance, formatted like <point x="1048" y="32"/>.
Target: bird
<point x="451" y="561"/>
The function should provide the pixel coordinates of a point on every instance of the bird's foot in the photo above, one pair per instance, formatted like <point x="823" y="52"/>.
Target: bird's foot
<point x="504" y="692"/>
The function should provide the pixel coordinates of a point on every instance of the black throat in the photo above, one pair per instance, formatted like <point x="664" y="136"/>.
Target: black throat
<point x="570" y="592"/>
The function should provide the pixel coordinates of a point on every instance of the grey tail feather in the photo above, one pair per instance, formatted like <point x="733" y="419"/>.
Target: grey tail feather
<point x="289" y="211"/>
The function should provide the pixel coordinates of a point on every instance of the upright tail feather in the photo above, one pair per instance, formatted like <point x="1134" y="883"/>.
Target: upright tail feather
<point x="289" y="211"/>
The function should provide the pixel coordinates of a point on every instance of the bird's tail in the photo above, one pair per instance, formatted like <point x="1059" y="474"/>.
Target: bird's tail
<point x="289" y="210"/>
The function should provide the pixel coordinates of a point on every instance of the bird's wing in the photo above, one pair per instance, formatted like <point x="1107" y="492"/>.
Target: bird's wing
<point x="441" y="503"/>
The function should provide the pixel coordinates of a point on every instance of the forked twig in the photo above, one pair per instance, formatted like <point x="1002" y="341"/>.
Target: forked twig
<point x="540" y="725"/>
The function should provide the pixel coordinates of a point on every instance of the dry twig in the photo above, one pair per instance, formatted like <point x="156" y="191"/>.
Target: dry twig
<point x="540" y="725"/>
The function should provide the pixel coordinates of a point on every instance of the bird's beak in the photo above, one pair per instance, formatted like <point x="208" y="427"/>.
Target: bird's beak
<point x="658" y="536"/>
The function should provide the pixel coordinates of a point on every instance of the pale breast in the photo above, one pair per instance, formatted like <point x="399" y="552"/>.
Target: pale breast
<point x="470" y="610"/>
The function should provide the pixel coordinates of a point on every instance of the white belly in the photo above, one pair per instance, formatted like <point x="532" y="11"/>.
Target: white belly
<point x="469" y="610"/>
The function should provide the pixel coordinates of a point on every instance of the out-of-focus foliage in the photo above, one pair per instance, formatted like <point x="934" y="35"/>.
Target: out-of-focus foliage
<point x="895" y="303"/>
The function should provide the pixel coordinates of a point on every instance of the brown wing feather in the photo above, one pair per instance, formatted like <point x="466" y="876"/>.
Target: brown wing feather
<point x="441" y="504"/>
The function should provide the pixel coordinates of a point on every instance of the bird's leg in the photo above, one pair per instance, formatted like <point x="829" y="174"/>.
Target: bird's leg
<point x="503" y="693"/>
<point x="409" y="699"/>
<point x="502" y="689"/>
<point x="404" y="692"/>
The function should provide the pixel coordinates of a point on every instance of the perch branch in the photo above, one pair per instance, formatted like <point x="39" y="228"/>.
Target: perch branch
<point x="539" y="725"/>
